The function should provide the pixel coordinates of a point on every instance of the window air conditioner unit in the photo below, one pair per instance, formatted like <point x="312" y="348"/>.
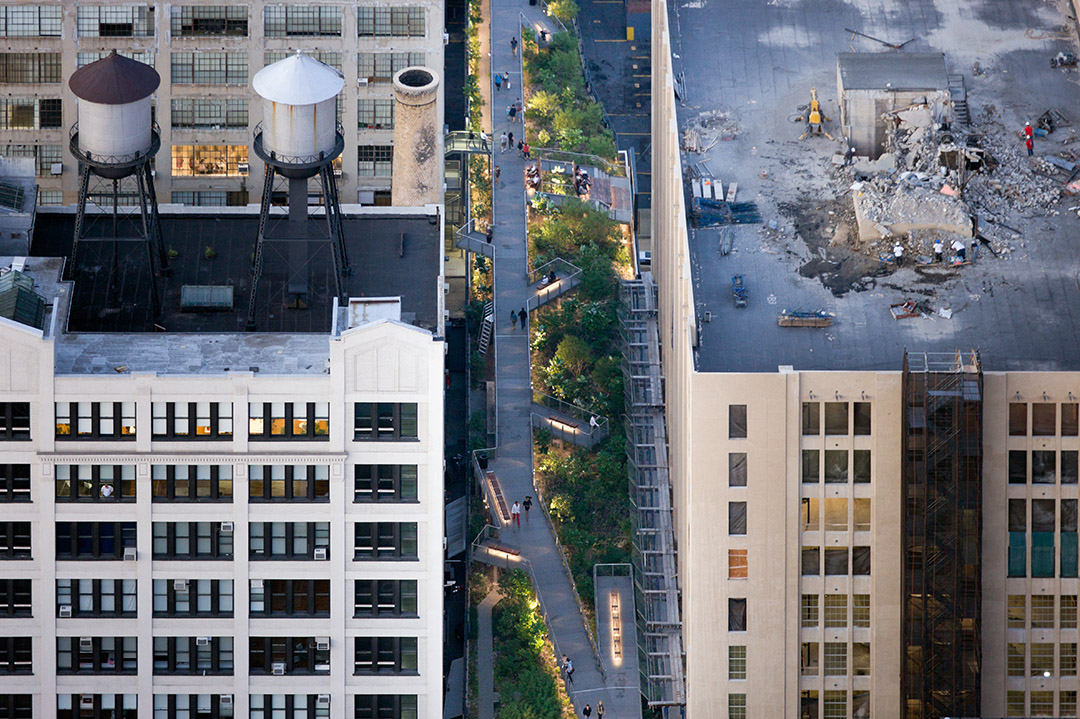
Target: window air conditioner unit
<point x="86" y="644"/>
<point x="322" y="701"/>
<point x="322" y="643"/>
<point x="256" y="585"/>
<point x="86" y="701"/>
<point x="278" y="669"/>
<point x="226" y="526"/>
<point x="56" y="168"/>
<point x="130" y="554"/>
<point x="242" y="168"/>
<point x="65" y="611"/>
<point x="226" y="700"/>
<point x="322" y="668"/>
<point x="337" y="173"/>
<point x="179" y="585"/>
<point x="320" y="553"/>
<point x="202" y="641"/>
<point x="361" y="81"/>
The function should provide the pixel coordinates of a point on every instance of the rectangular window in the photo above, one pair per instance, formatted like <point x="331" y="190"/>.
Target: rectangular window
<point x="193" y="655"/>
<point x="861" y="512"/>
<point x="14" y="421"/>
<point x="860" y="466"/>
<point x="302" y="21"/>
<point x="16" y="655"/>
<point x="1042" y="554"/>
<point x="385" y="483"/>
<point x="1043" y="419"/>
<point x="382" y="66"/>
<point x="208" y="67"/>
<point x="1017" y="611"/>
<point x="736" y="662"/>
<point x="834" y="659"/>
<point x="1042" y="704"/>
<point x="375" y="160"/>
<point x="192" y="540"/>
<point x="192" y="483"/>
<point x="385" y="540"/>
<point x="1068" y="611"/>
<point x="836" y="611"/>
<point x="390" y="22"/>
<point x="83" y="59"/>
<point x="15" y="540"/>
<point x="736" y="518"/>
<point x="836" y="515"/>
<point x="14" y="483"/>
<point x="115" y="21"/>
<point x="1043" y="467"/>
<point x="811" y="466"/>
<point x="289" y="420"/>
<point x="860" y="611"/>
<point x="96" y="597"/>
<point x="1067" y="703"/>
<point x="809" y="659"/>
<point x="811" y="419"/>
<point x="836" y="418"/>
<point x="860" y="659"/>
<point x="289" y="540"/>
<point x="1070" y="467"/>
<point x="1017" y="554"/>
<point x="737" y="421"/>
<point x="32" y="68"/>
<point x="1070" y="423"/>
<point x="288" y="655"/>
<point x="738" y="564"/>
<point x="1042" y="659"/>
<point x="836" y="466"/>
<point x="289" y="483"/>
<point x="96" y="655"/>
<point x="95" y="420"/>
<point x="736" y="615"/>
<point x="385" y="655"/>
<point x="737" y="469"/>
<point x="209" y="114"/>
<point x="386" y="706"/>
<point x="1018" y="419"/>
<point x="290" y="597"/>
<point x="1067" y="659"/>
<point x="375" y="113"/>
<point x="811" y="514"/>
<point x="95" y="482"/>
<point x="862" y="418"/>
<point x="385" y="598"/>
<point x="836" y="561"/>
<point x="1015" y="704"/>
<point x="1017" y="659"/>
<point x="293" y="706"/>
<point x="193" y="597"/>
<point x="384" y="421"/>
<point x="1042" y="611"/>
<point x="810" y="611"/>
<point x="209" y="20"/>
<point x="834" y="705"/>
<point x="860" y="561"/>
<point x="28" y="113"/>
<point x="811" y="561"/>
<point x="16" y="598"/>
<point x="736" y="706"/>
<point x="192" y="420"/>
<point x="31" y="21"/>
<point x="209" y="160"/>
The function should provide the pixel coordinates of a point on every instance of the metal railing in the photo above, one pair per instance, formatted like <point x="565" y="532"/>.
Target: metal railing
<point x="560" y="267"/>
<point x="552" y="154"/>
<point x="459" y="141"/>
<point x="570" y="409"/>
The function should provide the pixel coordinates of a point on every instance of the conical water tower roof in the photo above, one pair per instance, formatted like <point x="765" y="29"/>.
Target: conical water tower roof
<point x="114" y="80"/>
<point x="298" y="80"/>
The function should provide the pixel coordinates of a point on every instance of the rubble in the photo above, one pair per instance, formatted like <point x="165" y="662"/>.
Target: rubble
<point x="901" y="209"/>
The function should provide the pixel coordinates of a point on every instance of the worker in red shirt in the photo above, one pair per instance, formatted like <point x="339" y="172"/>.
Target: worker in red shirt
<point x="1028" y="130"/>
<point x="1030" y="144"/>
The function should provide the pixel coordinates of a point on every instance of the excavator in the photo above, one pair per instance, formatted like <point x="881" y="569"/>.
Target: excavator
<point x="814" y="118"/>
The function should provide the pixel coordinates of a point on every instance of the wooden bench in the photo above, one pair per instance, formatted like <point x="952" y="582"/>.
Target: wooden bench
<point x="500" y="501"/>
<point x="496" y="547"/>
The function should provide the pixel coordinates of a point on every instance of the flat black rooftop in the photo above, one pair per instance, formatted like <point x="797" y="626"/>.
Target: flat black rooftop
<point x="390" y="256"/>
<point x="897" y="71"/>
<point x="756" y="61"/>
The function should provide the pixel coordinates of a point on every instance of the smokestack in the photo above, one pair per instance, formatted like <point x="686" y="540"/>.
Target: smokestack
<point x="418" y="151"/>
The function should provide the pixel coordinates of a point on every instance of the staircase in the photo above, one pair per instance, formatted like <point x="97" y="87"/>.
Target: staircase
<point x="488" y="327"/>
<point x="958" y="91"/>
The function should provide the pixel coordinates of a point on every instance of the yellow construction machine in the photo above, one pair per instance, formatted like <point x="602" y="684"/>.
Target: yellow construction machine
<point x="814" y="118"/>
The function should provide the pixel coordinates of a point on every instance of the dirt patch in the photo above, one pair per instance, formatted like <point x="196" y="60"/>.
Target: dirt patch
<point x="825" y="228"/>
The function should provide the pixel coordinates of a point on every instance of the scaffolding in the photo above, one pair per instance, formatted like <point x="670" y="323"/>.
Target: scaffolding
<point x="655" y="579"/>
<point x="942" y="478"/>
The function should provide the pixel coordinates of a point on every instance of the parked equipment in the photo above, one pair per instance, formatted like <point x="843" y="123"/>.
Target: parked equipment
<point x="1063" y="59"/>
<point x="738" y="290"/>
<point x="814" y="118"/>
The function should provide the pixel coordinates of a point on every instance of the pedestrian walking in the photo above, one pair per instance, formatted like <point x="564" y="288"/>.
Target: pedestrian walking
<point x="1030" y="145"/>
<point x="587" y="711"/>
<point x="513" y="113"/>
<point x="523" y="316"/>
<point x="515" y="515"/>
<point x="527" y="505"/>
<point x="498" y="82"/>
<point x="506" y="80"/>
<point x="510" y="139"/>
<point x="521" y="153"/>
<point x="513" y="320"/>
<point x="568" y="667"/>
<point x="525" y="150"/>
<point x="483" y="141"/>
<point x="496" y="173"/>
<point x="938" y="249"/>
<point x="961" y="252"/>
<point x="510" y="112"/>
<point x="898" y="253"/>
<point x="502" y="143"/>
<point x="513" y="46"/>
<point x="520" y="109"/>
<point x="600" y="709"/>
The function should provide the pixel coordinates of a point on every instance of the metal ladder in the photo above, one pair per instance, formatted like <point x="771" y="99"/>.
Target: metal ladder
<point x="958" y="91"/>
<point x="488" y="327"/>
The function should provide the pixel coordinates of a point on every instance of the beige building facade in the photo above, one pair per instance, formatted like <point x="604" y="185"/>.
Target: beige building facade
<point x="206" y="54"/>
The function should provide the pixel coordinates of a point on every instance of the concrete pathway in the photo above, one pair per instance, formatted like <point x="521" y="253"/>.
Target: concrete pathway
<point x="513" y="465"/>
<point x="485" y="673"/>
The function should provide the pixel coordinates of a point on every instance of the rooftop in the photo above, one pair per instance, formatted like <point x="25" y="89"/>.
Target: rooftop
<point x="751" y="66"/>
<point x="898" y="71"/>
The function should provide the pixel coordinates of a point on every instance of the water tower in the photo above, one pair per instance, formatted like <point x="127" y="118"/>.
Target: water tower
<point x="298" y="139"/>
<point x="115" y="138"/>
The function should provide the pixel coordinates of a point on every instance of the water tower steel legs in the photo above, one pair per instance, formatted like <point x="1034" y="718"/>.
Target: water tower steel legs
<point x="256" y="267"/>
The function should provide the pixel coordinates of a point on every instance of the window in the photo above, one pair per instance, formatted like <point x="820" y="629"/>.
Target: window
<point x="44" y="156"/>
<point x="381" y="66"/>
<point x="15" y="540"/>
<point x="302" y="21"/>
<point x="193" y="655"/>
<point x="1017" y="611"/>
<point x="193" y="598"/>
<point x="290" y="597"/>
<point x="836" y="515"/>
<point x="385" y="483"/>
<point x="385" y="540"/>
<point x="192" y="483"/>
<point x="834" y="659"/>
<point x="811" y="419"/>
<point x="376" y="113"/>
<point x="1017" y="419"/>
<point x="1067" y="704"/>
<point x="375" y="160"/>
<point x="860" y="611"/>
<point x="210" y="198"/>
<point x="209" y="160"/>
<point x="101" y="655"/>
<point x="1067" y="659"/>
<point x="208" y="20"/>
<point x="836" y="466"/>
<point x="116" y="21"/>
<point x="52" y="198"/>
<point x="1042" y="704"/>
<point x="862" y="418"/>
<point x="28" y="113"/>
<point x="289" y="483"/>
<point x="1042" y="659"/>
<point x="293" y="655"/>
<point x="810" y="611"/>
<point x="809" y="663"/>
<point x="289" y="420"/>
<point x="83" y="59"/>
<point x="209" y="114"/>
<point x="385" y="655"/>
<point x="836" y="561"/>
<point x="1017" y="554"/>
<point x="288" y="540"/>
<point x="861" y="511"/>
<point x="385" y="598"/>
<point x="860" y="659"/>
<point x="327" y="57"/>
<point x="860" y="468"/>
<point x="738" y="564"/>
<point x="736" y="706"/>
<point x="94" y="540"/>
<point x="14" y="420"/>
<point x="736" y="615"/>
<point x="1043" y="467"/>
<point x="1042" y="611"/>
<point x="1070" y="467"/>
<point x="736" y="662"/>
<point x="1068" y="611"/>
<point x="95" y="420"/>
<point x="1043" y="419"/>
<point x="192" y="420"/>
<point x="192" y="540"/>
<point x="736" y="518"/>
<point x="737" y="469"/>
<point x="208" y="67"/>
<point x="808" y="704"/>
<point x="836" y="418"/>
<point x="834" y="705"/>
<point x="294" y="706"/>
<point x="97" y="706"/>
<point x="1070" y="423"/>
<point x="1015" y="705"/>
<point x="390" y="22"/>
<point x="186" y="706"/>
<point x="737" y="421"/>
<point x="811" y="514"/>
<point x="95" y="483"/>
<point x="836" y="610"/>
<point x="1017" y="659"/>
<point x="15" y="483"/>
<point x="16" y="598"/>
<point x="384" y="421"/>
<point x="97" y="597"/>
<point x="860" y="561"/>
<point x="386" y="706"/>
<point x="811" y="561"/>
<point x="16" y="655"/>
<point x="30" y="67"/>
<point x="811" y="466"/>
<point x="30" y="21"/>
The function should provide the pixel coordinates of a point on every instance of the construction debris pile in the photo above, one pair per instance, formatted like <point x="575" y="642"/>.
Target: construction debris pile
<point x="710" y="128"/>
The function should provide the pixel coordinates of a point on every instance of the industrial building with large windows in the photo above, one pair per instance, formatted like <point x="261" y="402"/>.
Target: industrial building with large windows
<point x="207" y="55"/>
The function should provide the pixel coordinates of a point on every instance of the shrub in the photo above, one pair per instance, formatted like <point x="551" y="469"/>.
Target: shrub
<point x="564" y="10"/>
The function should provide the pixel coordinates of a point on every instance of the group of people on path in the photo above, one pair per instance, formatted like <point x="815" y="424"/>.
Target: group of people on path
<point x="519" y="316"/>
<point x="515" y="511"/>
<point x="502" y="80"/>
<point x="568" y="670"/>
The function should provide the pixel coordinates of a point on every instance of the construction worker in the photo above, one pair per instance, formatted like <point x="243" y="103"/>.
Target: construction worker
<point x="939" y="247"/>
<point x="1029" y="131"/>
<point x="1030" y="145"/>
<point x="960" y="250"/>
<point x="898" y="253"/>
